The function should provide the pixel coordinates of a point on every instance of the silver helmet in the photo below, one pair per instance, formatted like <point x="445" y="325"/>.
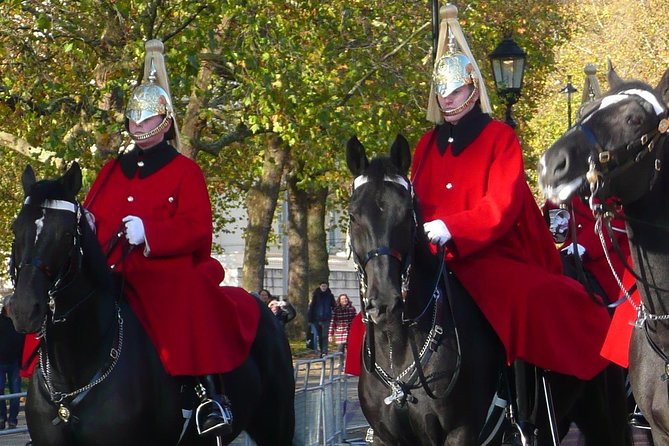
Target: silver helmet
<point x="452" y="71"/>
<point x="149" y="99"/>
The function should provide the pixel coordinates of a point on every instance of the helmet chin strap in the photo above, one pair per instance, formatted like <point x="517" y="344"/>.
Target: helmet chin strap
<point x="460" y="108"/>
<point x="159" y="128"/>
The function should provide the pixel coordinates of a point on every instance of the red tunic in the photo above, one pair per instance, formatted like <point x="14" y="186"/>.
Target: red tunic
<point x="617" y="345"/>
<point x="197" y="327"/>
<point x="504" y="255"/>
<point x="356" y="334"/>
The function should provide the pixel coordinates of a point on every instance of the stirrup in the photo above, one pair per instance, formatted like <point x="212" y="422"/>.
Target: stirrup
<point x="523" y="434"/>
<point x="638" y="420"/>
<point x="209" y="408"/>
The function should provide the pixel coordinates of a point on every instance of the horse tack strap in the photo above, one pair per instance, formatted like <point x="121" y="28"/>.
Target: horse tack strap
<point x="64" y="411"/>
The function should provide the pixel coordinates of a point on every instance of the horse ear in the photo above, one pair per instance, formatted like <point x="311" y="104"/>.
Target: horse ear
<point x="28" y="179"/>
<point x="400" y="154"/>
<point x="355" y="156"/>
<point x="662" y="88"/>
<point x="72" y="178"/>
<point x="612" y="77"/>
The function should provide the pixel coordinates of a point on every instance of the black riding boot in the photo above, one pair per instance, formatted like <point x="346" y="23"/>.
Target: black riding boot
<point x="523" y="381"/>
<point x="214" y="414"/>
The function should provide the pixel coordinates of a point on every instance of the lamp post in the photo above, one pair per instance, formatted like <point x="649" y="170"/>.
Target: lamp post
<point x="508" y="67"/>
<point x="568" y="89"/>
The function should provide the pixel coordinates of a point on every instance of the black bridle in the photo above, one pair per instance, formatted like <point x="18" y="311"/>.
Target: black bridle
<point x="60" y="282"/>
<point x="401" y="384"/>
<point x="65" y="276"/>
<point x="606" y="165"/>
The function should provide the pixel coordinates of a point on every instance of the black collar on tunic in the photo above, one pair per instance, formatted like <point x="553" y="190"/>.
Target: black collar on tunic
<point x="148" y="161"/>
<point x="463" y="133"/>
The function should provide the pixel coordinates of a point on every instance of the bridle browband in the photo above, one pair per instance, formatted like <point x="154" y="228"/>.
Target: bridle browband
<point x="361" y="264"/>
<point x="66" y="401"/>
<point x="59" y="281"/>
<point x="406" y="380"/>
<point x="604" y="165"/>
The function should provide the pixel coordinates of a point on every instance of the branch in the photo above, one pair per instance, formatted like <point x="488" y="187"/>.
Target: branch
<point x="362" y="80"/>
<point x="241" y="132"/>
<point x="26" y="149"/>
<point x="185" y="24"/>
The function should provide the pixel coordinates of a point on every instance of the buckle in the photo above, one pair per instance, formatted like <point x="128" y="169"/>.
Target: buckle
<point x="604" y="157"/>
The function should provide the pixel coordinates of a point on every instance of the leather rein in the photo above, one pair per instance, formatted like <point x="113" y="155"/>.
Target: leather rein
<point x="66" y="401"/>
<point x="604" y="165"/>
<point x="413" y="376"/>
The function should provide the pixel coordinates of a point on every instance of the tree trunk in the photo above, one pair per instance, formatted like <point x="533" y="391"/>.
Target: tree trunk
<point x="260" y="206"/>
<point x="319" y="269"/>
<point x="192" y="123"/>
<point x="298" y="269"/>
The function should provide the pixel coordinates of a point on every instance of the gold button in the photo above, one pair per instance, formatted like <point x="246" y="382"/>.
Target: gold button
<point x="140" y="163"/>
<point x="449" y="185"/>
<point x="131" y="198"/>
<point x="171" y="199"/>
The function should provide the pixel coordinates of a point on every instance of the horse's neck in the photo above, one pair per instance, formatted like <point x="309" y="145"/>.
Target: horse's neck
<point x="648" y="231"/>
<point x="80" y="344"/>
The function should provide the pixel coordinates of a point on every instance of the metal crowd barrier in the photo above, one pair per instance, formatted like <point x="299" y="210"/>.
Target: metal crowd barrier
<point x="19" y="429"/>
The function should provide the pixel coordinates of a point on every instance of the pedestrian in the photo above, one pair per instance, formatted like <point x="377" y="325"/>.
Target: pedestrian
<point x="342" y="316"/>
<point x="282" y="310"/>
<point x="319" y="316"/>
<point x="11" y="349"/>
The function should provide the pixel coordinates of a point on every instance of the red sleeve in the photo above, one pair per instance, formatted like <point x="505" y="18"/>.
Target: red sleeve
<point x="500" y="206"/>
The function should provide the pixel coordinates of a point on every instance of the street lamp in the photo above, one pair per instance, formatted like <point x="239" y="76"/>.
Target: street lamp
<point x="568" y="89"/>
<point x="508" y="66"/>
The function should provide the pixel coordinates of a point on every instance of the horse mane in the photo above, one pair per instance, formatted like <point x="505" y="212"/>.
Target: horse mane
<point x="95" y="263"/>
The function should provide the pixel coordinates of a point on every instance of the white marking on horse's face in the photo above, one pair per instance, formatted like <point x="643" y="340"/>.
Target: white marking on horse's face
<point x="562" y="193"/>
<point x="39" y="224"/>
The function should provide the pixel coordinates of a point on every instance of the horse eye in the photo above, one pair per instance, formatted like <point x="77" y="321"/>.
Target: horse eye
<point x="634" y="120"/>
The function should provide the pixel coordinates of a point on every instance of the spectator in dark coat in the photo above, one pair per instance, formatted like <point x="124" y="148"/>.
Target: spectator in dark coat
<point x="282" y="310"/>
<point x="11" y="349"/>
<point x="319" y="316"/>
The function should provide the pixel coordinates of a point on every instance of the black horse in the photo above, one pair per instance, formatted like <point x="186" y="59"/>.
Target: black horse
<point x="405" y="300"/>
<point x="616" y="152"/>
<point x="100" y="381"/>
<point x="431" y="362"/>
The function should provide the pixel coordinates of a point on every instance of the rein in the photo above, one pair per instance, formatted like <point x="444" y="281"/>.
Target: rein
<point x="607" y="164"/>
<point x="66" y="401"/>
<point x="406" y="380"/>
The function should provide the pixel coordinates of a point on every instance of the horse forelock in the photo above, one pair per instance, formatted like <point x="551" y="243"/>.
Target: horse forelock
<point x="49" y="190"/>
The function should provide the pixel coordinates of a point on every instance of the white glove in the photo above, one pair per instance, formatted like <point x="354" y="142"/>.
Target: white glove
<point x="569" y="250"/>
<point x="437" y="232"/>
<point x="134" y="230"/>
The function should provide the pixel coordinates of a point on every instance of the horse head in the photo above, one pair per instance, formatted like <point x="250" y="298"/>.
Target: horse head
<point x="615" y="148"/>
<point x="45" y="228"/>
<point x="381" y="215"/>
